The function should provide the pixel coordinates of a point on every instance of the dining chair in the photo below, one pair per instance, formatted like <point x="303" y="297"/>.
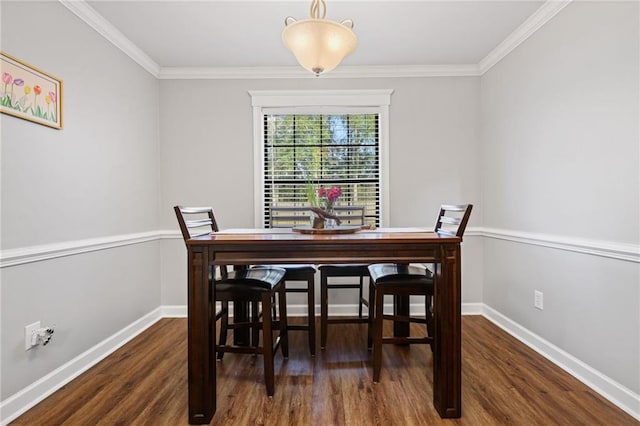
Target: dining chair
<point x="349" y="215"/>
<point x="287" y="217"/>
<point x="245" y="285"/>
<point x="408" y="280"/>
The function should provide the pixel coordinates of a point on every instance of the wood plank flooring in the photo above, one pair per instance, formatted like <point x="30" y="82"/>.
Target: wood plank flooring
<point x="504" y="382"/>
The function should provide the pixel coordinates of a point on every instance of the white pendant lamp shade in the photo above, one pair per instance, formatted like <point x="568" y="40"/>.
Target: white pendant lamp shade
<point x="318" y="44"/>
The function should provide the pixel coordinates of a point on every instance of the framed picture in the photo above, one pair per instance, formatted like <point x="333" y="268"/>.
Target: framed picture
<point x="29" y="93"/>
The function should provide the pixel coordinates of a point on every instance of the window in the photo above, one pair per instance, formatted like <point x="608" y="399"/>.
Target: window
<point x="329" y="138"/>
<point x="324" y="150"/>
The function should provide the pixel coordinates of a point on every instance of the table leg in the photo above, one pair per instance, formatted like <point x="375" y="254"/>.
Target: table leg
<point x="447" y="349"/>
<point x="201" y="335"/>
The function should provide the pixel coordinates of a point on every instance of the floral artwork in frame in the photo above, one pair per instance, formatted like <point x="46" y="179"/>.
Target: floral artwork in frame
<point x="29" y="93"/>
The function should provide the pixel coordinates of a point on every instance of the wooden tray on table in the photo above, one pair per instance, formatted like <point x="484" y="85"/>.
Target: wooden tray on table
<point x="340" y="229"/>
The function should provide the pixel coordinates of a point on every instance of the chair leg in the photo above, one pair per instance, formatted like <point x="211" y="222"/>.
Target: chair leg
<point x="274" y="315"/>
<point x="267" y="343"/>
<point x="429" y="317"/>
<point x="377" y="338"/>
<point x="324" y="310"/>
<point x="360" y="297"/>
<point x="284" y="326"/>
<point x="311" y="315"/>
<point x="224" y="326"/>
<point x="255" y="324"/>
<point x="370" y="324"/>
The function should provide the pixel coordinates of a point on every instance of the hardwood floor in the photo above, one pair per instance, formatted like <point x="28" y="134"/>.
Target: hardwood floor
<point x="504" y="382"/>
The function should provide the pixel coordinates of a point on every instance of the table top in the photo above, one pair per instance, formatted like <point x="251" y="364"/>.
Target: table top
<point x="259" y="235"/>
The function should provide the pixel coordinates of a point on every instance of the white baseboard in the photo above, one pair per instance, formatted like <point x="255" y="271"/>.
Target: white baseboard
<point x="174" y="311"/>
<point x="28" y="397"/>
<point x="616" y="393"/>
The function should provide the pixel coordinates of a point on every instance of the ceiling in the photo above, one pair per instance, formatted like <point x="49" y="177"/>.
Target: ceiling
<point x="229" y="34"/>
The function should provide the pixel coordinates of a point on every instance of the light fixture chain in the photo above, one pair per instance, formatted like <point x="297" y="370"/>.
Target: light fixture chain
<point x="317" y="8"/>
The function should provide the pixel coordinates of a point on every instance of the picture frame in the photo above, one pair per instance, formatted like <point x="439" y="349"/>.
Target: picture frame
<point x="29" y="93"/>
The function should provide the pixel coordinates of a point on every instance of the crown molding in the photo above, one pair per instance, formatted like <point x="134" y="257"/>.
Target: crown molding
<point x="371" y="71"/>
<point x="92" y="18"/>
<point x="539" y="18"/>
<point x="96" y="21"/>
<point x="224" y="73"/>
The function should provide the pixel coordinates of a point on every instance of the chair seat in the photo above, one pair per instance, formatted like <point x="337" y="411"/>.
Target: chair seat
<point x="344" y="270"/>
<point x="298" y="268"/>
<point x="256" y="278"/>
<point x="291" y="268"/>
<point x="400" y="273"/>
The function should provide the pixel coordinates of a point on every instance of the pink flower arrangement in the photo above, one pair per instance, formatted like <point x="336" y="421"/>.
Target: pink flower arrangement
<point x="328" y="197"/>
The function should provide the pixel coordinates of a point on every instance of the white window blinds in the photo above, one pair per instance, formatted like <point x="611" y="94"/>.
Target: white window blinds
<point x="325" y="150"/>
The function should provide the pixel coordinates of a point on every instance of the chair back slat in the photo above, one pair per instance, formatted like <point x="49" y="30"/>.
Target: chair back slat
<point x="194" y="210"/>
<point x="454" y="207"/>
<point x="446" y="232"/>
<point x="450" y="222"/>
<point x="197" y="223"/>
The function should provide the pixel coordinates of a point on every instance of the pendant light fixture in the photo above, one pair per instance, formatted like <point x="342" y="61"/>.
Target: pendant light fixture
<point x="318" y="44"/>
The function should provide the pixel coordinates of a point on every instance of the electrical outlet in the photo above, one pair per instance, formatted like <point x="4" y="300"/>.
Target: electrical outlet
<point x="29" y="331"/>
<point x="538" y="299"/>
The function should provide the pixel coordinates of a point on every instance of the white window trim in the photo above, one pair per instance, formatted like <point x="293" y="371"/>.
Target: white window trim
<point x="320" y="101"/>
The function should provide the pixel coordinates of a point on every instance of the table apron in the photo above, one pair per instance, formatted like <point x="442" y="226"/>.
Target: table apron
<point x="244" y="254"/>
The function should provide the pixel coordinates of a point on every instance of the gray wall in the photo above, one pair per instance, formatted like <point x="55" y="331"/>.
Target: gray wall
<point x="560" y="158"/>
<point x="544" y="143"/>
<point x="207" y="156"/>
<point x="98" y="177"/>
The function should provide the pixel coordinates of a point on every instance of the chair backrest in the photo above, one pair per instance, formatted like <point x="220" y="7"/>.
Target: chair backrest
<point x="290" y="216"/>
<point x="195" y="221"/>
<point x="350" y="215"/>
<point x="452" y="219"/>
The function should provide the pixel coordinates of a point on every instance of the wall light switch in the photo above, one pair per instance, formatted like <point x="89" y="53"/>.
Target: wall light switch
<point x="538" y="299"/>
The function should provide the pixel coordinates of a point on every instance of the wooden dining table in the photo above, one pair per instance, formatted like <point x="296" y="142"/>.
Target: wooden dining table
<point x="283" y="246"/>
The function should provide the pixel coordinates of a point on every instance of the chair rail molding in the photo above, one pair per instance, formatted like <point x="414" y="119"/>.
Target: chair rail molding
<point x="611" y="249"/>
<point x="23" y="255"/>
